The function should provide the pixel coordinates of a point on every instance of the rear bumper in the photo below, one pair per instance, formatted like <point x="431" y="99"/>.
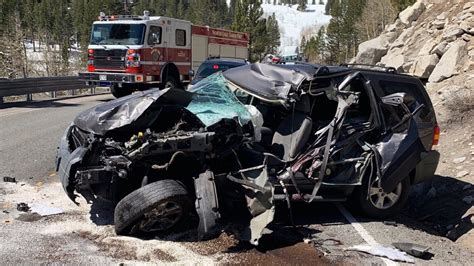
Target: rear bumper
<point x="97" y="78"/>
<point x="426" y="168"/>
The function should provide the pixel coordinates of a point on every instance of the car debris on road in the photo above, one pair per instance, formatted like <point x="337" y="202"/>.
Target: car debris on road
<point x="9" y="179"/>
<point x="241" y="140"/>
<point x="22" y="207"/>
<point x="381" y="251"/>
<point x="415" y="250"/>
<point x="44" y="210"/>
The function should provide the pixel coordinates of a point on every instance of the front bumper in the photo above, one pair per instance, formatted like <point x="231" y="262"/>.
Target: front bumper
<point x="67" y="161"/>
<point x="97" y="78"/>
<point x="426" y="168"/>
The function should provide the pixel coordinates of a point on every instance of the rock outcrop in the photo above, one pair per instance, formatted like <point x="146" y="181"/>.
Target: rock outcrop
<point x="412" y="13"/>
<point x="431" y="39"/>
<point x="446" y="67"/>
<point x="370" y="52"/>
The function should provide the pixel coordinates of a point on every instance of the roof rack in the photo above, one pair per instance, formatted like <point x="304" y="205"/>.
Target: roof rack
<point x="372" y="67"/>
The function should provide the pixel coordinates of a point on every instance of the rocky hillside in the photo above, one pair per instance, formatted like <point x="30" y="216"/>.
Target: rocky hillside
<point x="434" y="40"/>
<point x="431" y="39"/>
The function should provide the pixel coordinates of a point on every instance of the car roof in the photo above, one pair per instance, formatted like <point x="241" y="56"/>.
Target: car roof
<point x="346" y="68"/>
<point x="273" y="82"/>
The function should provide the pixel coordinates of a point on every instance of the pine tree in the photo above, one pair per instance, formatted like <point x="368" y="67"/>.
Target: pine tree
<point x="342" y="33"/>
<point x="181" y="10"/>
<point x="400" y="5"/>
<point x="327" y="8"/>
<point x="171" y="8"/>
<point x="302" y="5"/>
<point x="247" y="18"/>
<point x="303" y="45"/>
<point x="273" y="32"/>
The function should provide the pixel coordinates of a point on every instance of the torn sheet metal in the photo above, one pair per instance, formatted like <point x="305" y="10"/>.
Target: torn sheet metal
<point x="270" y="82"/>
<point x="399" y="153"/>
<point x="259" y="196"/>
<point x="381" y="251"/>
<point x="207" y="205"/>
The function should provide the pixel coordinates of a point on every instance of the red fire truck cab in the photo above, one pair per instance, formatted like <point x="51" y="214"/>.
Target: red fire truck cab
<point x="131" y="53"/>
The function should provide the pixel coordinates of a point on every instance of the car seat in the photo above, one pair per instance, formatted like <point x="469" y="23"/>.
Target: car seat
<point x="293" y="132"/>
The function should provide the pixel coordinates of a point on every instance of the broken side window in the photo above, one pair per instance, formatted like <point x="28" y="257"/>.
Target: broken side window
<point x="394" y="114"/>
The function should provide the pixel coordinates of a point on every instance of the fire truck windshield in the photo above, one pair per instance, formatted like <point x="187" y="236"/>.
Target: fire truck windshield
<point x="118" y="34"/>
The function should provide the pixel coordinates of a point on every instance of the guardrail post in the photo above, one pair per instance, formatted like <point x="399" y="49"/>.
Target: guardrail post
<point x="29" y="97"/>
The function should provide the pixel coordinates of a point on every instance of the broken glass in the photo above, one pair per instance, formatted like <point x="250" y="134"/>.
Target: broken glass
<point x="213" y="101"/>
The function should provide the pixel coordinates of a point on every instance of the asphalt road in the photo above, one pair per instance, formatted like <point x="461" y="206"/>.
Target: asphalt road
<point x="29" y="133"/>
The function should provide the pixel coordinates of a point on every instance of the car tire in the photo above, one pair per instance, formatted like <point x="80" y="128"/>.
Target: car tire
<point x="380" y="204"/>
<point x="158" y="207"/>
<point x="119" y="92"/>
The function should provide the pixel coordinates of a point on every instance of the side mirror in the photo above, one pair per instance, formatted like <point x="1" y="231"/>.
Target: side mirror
<point x="191" y="73"/>
<point x="394" y="99"/>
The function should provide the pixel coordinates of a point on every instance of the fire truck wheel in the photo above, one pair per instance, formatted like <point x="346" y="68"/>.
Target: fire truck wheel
<point x="118" y="92"/>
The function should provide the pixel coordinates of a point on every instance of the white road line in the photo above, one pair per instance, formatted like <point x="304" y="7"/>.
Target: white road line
<point x="362" y="232"/>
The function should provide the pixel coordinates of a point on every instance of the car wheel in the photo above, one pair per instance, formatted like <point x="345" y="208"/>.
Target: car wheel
<point x="374" y="202"/>
<point x="118" y="92"/>
<point x="158" y="207"/>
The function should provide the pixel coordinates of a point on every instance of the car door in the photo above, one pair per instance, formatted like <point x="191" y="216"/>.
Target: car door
<point x="405" y="126"/>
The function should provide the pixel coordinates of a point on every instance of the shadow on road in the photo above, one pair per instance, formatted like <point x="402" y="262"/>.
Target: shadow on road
<point x="102" y="213"/>
<point x="439" y="207"/>
<point x="38" y="104"/>
<point x="428" y="212"/>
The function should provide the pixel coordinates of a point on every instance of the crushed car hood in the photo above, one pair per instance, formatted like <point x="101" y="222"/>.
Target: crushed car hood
<point x="272" y="83"/>
<point x="123" y="111"/>
<point x="209" y="101"/>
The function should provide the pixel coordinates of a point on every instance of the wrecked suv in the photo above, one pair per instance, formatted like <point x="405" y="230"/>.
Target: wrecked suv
<point x="242" y="140"/>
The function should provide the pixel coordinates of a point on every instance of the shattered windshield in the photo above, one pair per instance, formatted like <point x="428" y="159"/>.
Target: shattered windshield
<point x="213" y="101"/>
<point x="120" y="34"/>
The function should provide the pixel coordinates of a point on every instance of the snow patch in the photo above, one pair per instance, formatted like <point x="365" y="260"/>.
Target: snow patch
<point x="294" y="24"/>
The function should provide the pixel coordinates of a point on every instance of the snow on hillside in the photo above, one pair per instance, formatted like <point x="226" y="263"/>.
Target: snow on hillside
<point x="294" y="24"/>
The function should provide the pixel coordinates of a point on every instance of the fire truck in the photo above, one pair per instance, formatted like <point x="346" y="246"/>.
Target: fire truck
<point x="128" y="53"/>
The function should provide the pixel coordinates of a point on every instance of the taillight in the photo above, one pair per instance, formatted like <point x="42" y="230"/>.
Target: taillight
<point x="90" y="60"/>
<point x="133" y="60"/>
<point x="437" y="132"/>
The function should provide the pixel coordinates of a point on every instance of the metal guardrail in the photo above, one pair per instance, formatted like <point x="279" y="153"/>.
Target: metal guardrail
<point x="28" y="86"/>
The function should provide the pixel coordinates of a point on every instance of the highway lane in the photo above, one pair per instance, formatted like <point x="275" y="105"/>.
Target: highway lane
<point x="30" y="132"/>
